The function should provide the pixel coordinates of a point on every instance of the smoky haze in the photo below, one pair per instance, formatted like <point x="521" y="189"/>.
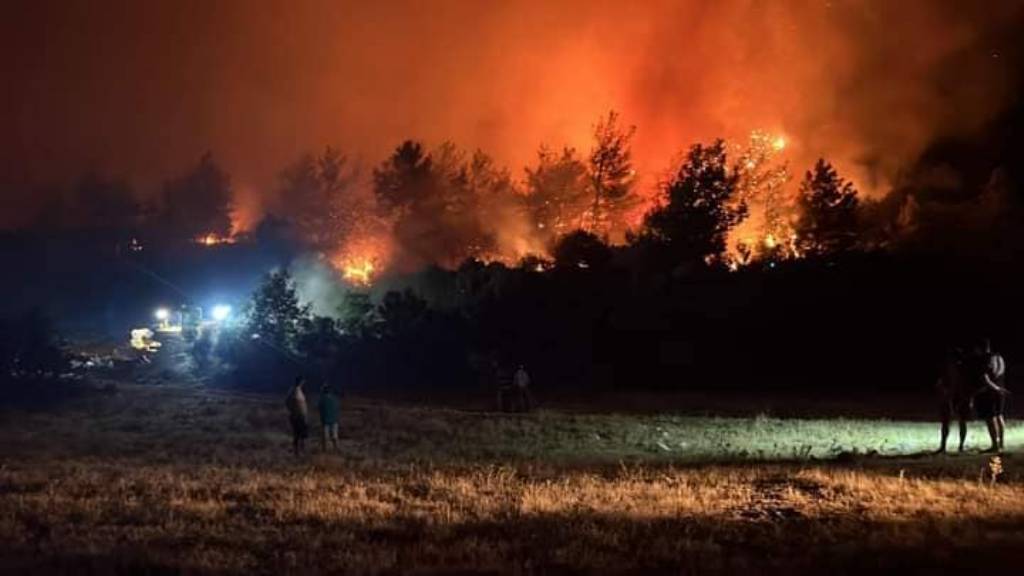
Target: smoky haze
<point x="140" y="90"/>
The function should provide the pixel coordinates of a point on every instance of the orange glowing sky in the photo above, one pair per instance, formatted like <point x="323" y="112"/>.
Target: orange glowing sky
<point x="141" y="89"/>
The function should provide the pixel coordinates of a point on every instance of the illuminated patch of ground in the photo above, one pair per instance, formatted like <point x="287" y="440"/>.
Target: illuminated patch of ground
<point x="174" y="479"/>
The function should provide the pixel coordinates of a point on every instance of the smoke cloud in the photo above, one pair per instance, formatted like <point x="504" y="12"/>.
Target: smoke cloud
<point x="317" y="285"/>
<point x="140" y="89"/>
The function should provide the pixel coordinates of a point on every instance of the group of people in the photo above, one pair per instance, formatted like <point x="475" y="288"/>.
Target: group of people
<point x="972" y="383"/>
<point x="328" y="406"/>
<point x="513" y="396"/>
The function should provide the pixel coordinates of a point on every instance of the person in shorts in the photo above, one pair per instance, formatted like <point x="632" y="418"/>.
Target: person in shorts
<point x="298" y="415"/>
<point x="329" y="408"/>
<point x="988" y="372"/>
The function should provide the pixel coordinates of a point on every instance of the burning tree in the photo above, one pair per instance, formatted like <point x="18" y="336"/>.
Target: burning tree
<point x="364" y="254"/>
<point x="700" y="207"/>
<point x="828" y="212"/>
<point x="611" y="176"/>
<point x="761" y="184"/>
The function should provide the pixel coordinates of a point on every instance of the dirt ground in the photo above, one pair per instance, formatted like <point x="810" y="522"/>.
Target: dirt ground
<point x="166" y="480"/>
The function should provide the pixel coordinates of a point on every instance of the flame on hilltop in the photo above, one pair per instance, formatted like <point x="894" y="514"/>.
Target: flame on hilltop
<point x="359" y="273"/>
<point x="213" y="239"/>
<point x="362" y="259"/>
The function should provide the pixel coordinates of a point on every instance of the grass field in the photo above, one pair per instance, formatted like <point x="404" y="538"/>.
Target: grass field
<point x="171" y="480"/>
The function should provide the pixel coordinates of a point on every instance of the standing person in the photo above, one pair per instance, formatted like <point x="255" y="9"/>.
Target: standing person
<point x="298" y="415"/>
<point x="328" y="406"/>
<point x="954" y="396"/>
<point x="990" y="396"/>
<point x="521" y="382"/>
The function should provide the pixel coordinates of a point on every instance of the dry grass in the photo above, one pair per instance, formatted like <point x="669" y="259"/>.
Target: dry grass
<point x="173" y="480"/>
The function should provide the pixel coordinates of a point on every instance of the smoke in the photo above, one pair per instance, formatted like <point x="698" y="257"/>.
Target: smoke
<point x="317" y="284"/>
<point x="866" y="84"/>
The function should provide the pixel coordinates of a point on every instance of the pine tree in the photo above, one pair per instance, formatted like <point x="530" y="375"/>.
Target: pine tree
<point x="274" y="314"/>
<point x="317" y="195"/>
<point x="700" y="207"/>
<point x="198" y="203"/>
<point x="406" y="178"/>
<point x="557" y="196"/>
<point x="762" y="182"/>
<point x="828" y="212"/>
<point x="611" y="176"/>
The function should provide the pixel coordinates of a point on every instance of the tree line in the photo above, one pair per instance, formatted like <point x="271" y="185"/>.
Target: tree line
<point x="695" y="283"/>
<point x="446" y="205"/>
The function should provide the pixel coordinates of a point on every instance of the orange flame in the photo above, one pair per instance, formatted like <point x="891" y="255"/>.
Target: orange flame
<point x="212" y="239"/>
<point x="361" y="260"/>
<point x="359" y="273"/>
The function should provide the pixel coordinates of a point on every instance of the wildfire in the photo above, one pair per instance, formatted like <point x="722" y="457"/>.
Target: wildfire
<point x="212" y="239"/>
<point x="359" y="273"/>
<point x="362" y="259"/>
<point x="765" y="185"/>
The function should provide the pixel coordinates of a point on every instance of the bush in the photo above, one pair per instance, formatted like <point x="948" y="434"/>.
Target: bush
<point x="32" y="361"/>
<point x="581" y="249"/>
<point x="30" y="349"/>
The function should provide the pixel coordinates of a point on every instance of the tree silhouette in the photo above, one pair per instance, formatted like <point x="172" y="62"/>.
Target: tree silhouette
<point x="828" y="212"/>
<point x="558" y="196"/>
<point x="581" y="249"/>
<point x="318" y="197"/>
<point x="274" y="315"/>
<point x="700" y="207"/>
<point x="446" y="207"/>
<point x="358" y="315"/>
<point x="198" y="203"/>
<point x="401" y="313"/>
<point x="405" y="178"/>
<point x="319" y="342"/>
<point x="611" y="175"/>
<point x="96" y="202"/>
<point x="106" y="204"/>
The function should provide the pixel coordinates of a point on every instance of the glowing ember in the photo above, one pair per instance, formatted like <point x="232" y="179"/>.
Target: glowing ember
<point x="765" y="184"/>
<point x="359" y="273"/>
<point x="362" y="259"/>
<point x="212" y="239"/>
